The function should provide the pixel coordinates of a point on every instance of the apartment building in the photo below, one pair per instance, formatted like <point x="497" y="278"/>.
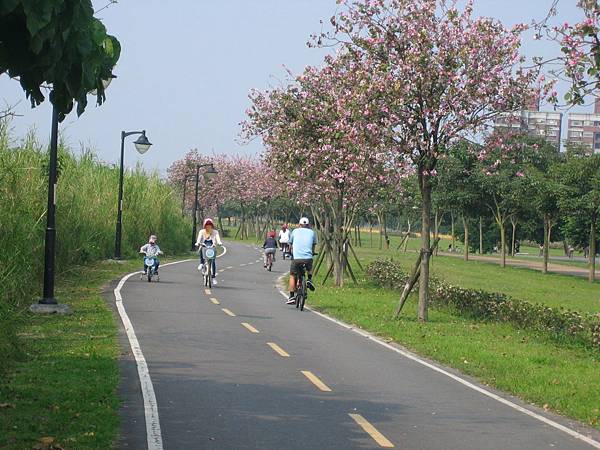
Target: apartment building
<point x="546" y="124"/>
<point x="584" y="129"/>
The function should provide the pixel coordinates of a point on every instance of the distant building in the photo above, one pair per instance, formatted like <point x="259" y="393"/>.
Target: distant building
<point x="545" y="124"/>
<point x="584" y="129"/>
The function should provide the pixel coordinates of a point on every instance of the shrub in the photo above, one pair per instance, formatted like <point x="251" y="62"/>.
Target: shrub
<point x="386" y="273"/>
<point x="559" y="324"/>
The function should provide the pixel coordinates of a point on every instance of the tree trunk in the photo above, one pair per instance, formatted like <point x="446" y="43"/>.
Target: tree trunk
<point x="371" y="232"/>
<point x="466" y="228"/>
<point x="502" y="244"/>
<point x="546" y="244"/>
<point x="359" y="237"/>
<point x="407" y="236"/>
<point x="436" y="228"/>
<point x="452" y="231"/>
<point x="514" y="233"/>
<point x="412" y="280"/>
<point x="385" y="235"/>
<point x="425" y="245"/>
<point x="592" y="255"/>
<point x="380" y="231"/>
<point x="338" y="244"/>
<point x="220" y="222"/>
<point x="480" y="235"/>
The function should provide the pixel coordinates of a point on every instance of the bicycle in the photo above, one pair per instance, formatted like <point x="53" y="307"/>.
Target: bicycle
<point x="150" y="268"/>
<point x="269" y="261"/>
<point x="210" y="253"/>
<point x="301" y="289"/>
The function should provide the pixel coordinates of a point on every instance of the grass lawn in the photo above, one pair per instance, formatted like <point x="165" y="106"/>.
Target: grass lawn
<point x="555" y="290"/>
<point x="65" y="385"/>
<point x="561" y="378"/>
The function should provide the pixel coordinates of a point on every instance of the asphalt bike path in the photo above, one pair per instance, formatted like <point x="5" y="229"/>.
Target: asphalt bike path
<point x="236" y="368"/>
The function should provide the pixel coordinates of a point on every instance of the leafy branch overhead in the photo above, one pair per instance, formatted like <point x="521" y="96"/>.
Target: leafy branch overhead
<point x="58" y="43"/>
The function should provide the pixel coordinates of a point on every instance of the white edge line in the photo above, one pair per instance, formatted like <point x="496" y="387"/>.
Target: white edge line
<point x="462" y="381"/>
<point x="153" y="432"/>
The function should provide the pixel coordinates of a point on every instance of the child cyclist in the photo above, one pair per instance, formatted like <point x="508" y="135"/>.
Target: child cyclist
<point x="270" y="246"/>
<point x="208" y="236"/>
<point x="151" y="250"/>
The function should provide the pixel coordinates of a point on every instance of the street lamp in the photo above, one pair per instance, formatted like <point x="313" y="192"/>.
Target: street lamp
<point x="209" y="174"/>
<point x="50" y="235"/>
<point x="142" y="144"/>
<point x="50" y="238"/>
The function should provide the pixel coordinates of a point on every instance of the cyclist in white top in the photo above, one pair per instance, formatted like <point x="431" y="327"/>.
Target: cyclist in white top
<point x="208" y="236"/>
<point x="284" y="238"/>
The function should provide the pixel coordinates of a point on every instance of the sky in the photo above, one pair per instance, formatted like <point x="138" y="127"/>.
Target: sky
<point x="187" y="66"/>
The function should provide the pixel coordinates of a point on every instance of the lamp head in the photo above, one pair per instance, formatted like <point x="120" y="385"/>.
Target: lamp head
<point x="142" y="144"/>
<point x="210" y="173"/>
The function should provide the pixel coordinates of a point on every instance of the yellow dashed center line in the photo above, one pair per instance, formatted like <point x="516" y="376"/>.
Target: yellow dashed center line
<point x="214" y="300"/>
<point x="372" y="431"/>
<point x="278" y="349"/>
<point x="249" y="327"/>
<point x="229" y="267"/>
<point x="316" y="381"/>
<point x="207" y="291"/>
<point x="226" y="311"/>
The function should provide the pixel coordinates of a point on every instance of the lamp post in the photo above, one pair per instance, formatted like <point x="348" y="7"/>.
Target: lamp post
<point x="50" y="235"/>
<point x="50" y="240"/>
<point x="142" y="144"/>
<point x="209" y="174"/>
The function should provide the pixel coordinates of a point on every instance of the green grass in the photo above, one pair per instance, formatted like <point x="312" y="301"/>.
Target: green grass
<point x="561" y="378"/>
<point x="64" y="385"/>
<point x="555" y="290"/>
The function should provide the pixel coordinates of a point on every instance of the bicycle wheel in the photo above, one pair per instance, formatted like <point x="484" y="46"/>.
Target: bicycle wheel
<point x="269" y="261"/>
<point x="299" y="292"/>
<point x="209" y="276"/>
<point x="304" y="294"/>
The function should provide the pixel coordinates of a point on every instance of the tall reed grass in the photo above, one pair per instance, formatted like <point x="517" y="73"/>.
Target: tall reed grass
<point x="85" y="214"/>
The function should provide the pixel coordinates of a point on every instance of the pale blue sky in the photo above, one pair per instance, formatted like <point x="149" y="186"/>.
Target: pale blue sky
<point x="187" y="66"/>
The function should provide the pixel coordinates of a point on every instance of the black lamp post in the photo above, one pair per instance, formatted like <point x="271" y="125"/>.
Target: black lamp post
<point x="50" y="235"/>
<point x="209" y="174"/>
<point x="142" y="144"/>
<point x="50" y="240"/>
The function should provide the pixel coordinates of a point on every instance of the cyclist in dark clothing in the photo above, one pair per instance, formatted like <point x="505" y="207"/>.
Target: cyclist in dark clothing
<point x="270" y="246"/>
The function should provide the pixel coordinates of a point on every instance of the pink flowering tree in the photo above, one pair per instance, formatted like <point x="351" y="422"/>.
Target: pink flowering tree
<point x="444" y="74"/>
<point x="579" y="59"/>
<point x="322" y="133"/>
<point x="244" y="182"/>
<point x="182" y="175"/>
